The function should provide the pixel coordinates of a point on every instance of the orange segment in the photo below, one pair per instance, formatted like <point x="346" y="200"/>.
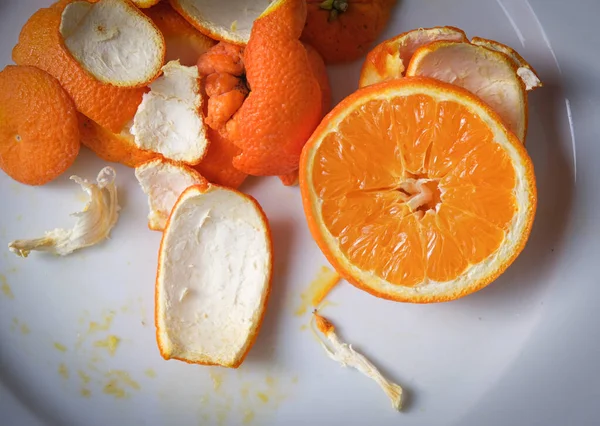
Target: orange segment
<point x="495" y="205"/>
<point x="455" y="138"/>
<point x="416" y="191"/>
<point x="443" y="258"/>
<point x="498" y="174"/>
<point x="476" y="238"/>
<point x="39" y="137"/>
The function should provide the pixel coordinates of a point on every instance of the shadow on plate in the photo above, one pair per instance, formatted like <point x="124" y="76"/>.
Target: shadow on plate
<point x="266" y="345"/>
<point x="35" y="404"/>
<point x="556" y="186"/>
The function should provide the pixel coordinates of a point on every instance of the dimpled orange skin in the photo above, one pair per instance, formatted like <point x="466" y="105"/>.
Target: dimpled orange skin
<point x="284" y="104"/>
<point x="351" y="33"/>
<point x="39" y="136"/>
<point x="40" y="45"/>
<point x="111" y="146"/>
<point x="320" y="71"/>
<point x="217" y="166"/>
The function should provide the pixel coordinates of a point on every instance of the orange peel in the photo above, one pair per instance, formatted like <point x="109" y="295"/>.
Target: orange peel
<point x="169" y="121"/>
<point x="163" y="181"/>
<point x="489" y="74"/>
<point x="217" y="166"/>
<point x="113" y="41"/>
<point x="347" y="356"/>
<point x="183" y="42"/>
<point x="389" y="59"/>
<point x="524" y="70"/>
<point x="39" y="135"/>
<point x="214" y="277"/>
<point x="229" y="21"/>
<point x="93" y="224"/>
<point x="40" y="45"/>
<point x="112" y="147"/>
<point x="284" y="104"/>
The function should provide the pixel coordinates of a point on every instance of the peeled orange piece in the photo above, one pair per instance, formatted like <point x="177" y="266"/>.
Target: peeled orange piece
<point x="164" y="181"/>
<point x="39" y="135"/>
<point x="489" y="74"/>
<point x="214" y="277"/>
<point x="416" y="191"/>
<point x="113" y="41"/>
<point x="229" y="20"/>
<point x="40" y="45"/>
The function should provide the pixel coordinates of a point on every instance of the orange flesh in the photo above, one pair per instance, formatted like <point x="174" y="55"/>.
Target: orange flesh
<point x="223" y="69"/>
<point x="435" y="196"/>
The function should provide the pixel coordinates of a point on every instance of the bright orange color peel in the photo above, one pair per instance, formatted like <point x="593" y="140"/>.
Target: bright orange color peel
<point x="39" y="135"/>
<point x="40" y="45"/>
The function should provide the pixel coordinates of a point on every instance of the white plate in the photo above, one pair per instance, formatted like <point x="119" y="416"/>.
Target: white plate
<point x="523" y="351"/>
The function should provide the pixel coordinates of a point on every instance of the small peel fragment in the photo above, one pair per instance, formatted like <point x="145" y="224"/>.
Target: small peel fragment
<point x="348" y="357"/>
<point x="164" y="181"/>
<point x="169" y="120"/>
<point x="524" y="70"/>
<point x="93" y="225"/>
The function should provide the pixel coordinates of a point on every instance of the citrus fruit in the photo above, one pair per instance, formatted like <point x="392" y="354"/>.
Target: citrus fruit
<point x="169" y="121"/>
<point x="163" y="181"/>
<point x="284" y="104"/>
<point x="217" y="166"/>
<point x="39" y="135"/>
<point x="489" y="74"/>
<point x="40" y="45"/>
<point x="229" y="21"/>
<point x="416" y="191"/>
<point x="113" y="147"/>
<point x="113" y="41"/>
<point x="343" y="30"/>
<point x="183" y="42"/>
<point x="214" y="277"/>
<point x="524" y="70"/>
<point x="389" y="59"/>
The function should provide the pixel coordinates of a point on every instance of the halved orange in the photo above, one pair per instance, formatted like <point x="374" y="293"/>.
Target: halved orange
<point x="416" y="191"/>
